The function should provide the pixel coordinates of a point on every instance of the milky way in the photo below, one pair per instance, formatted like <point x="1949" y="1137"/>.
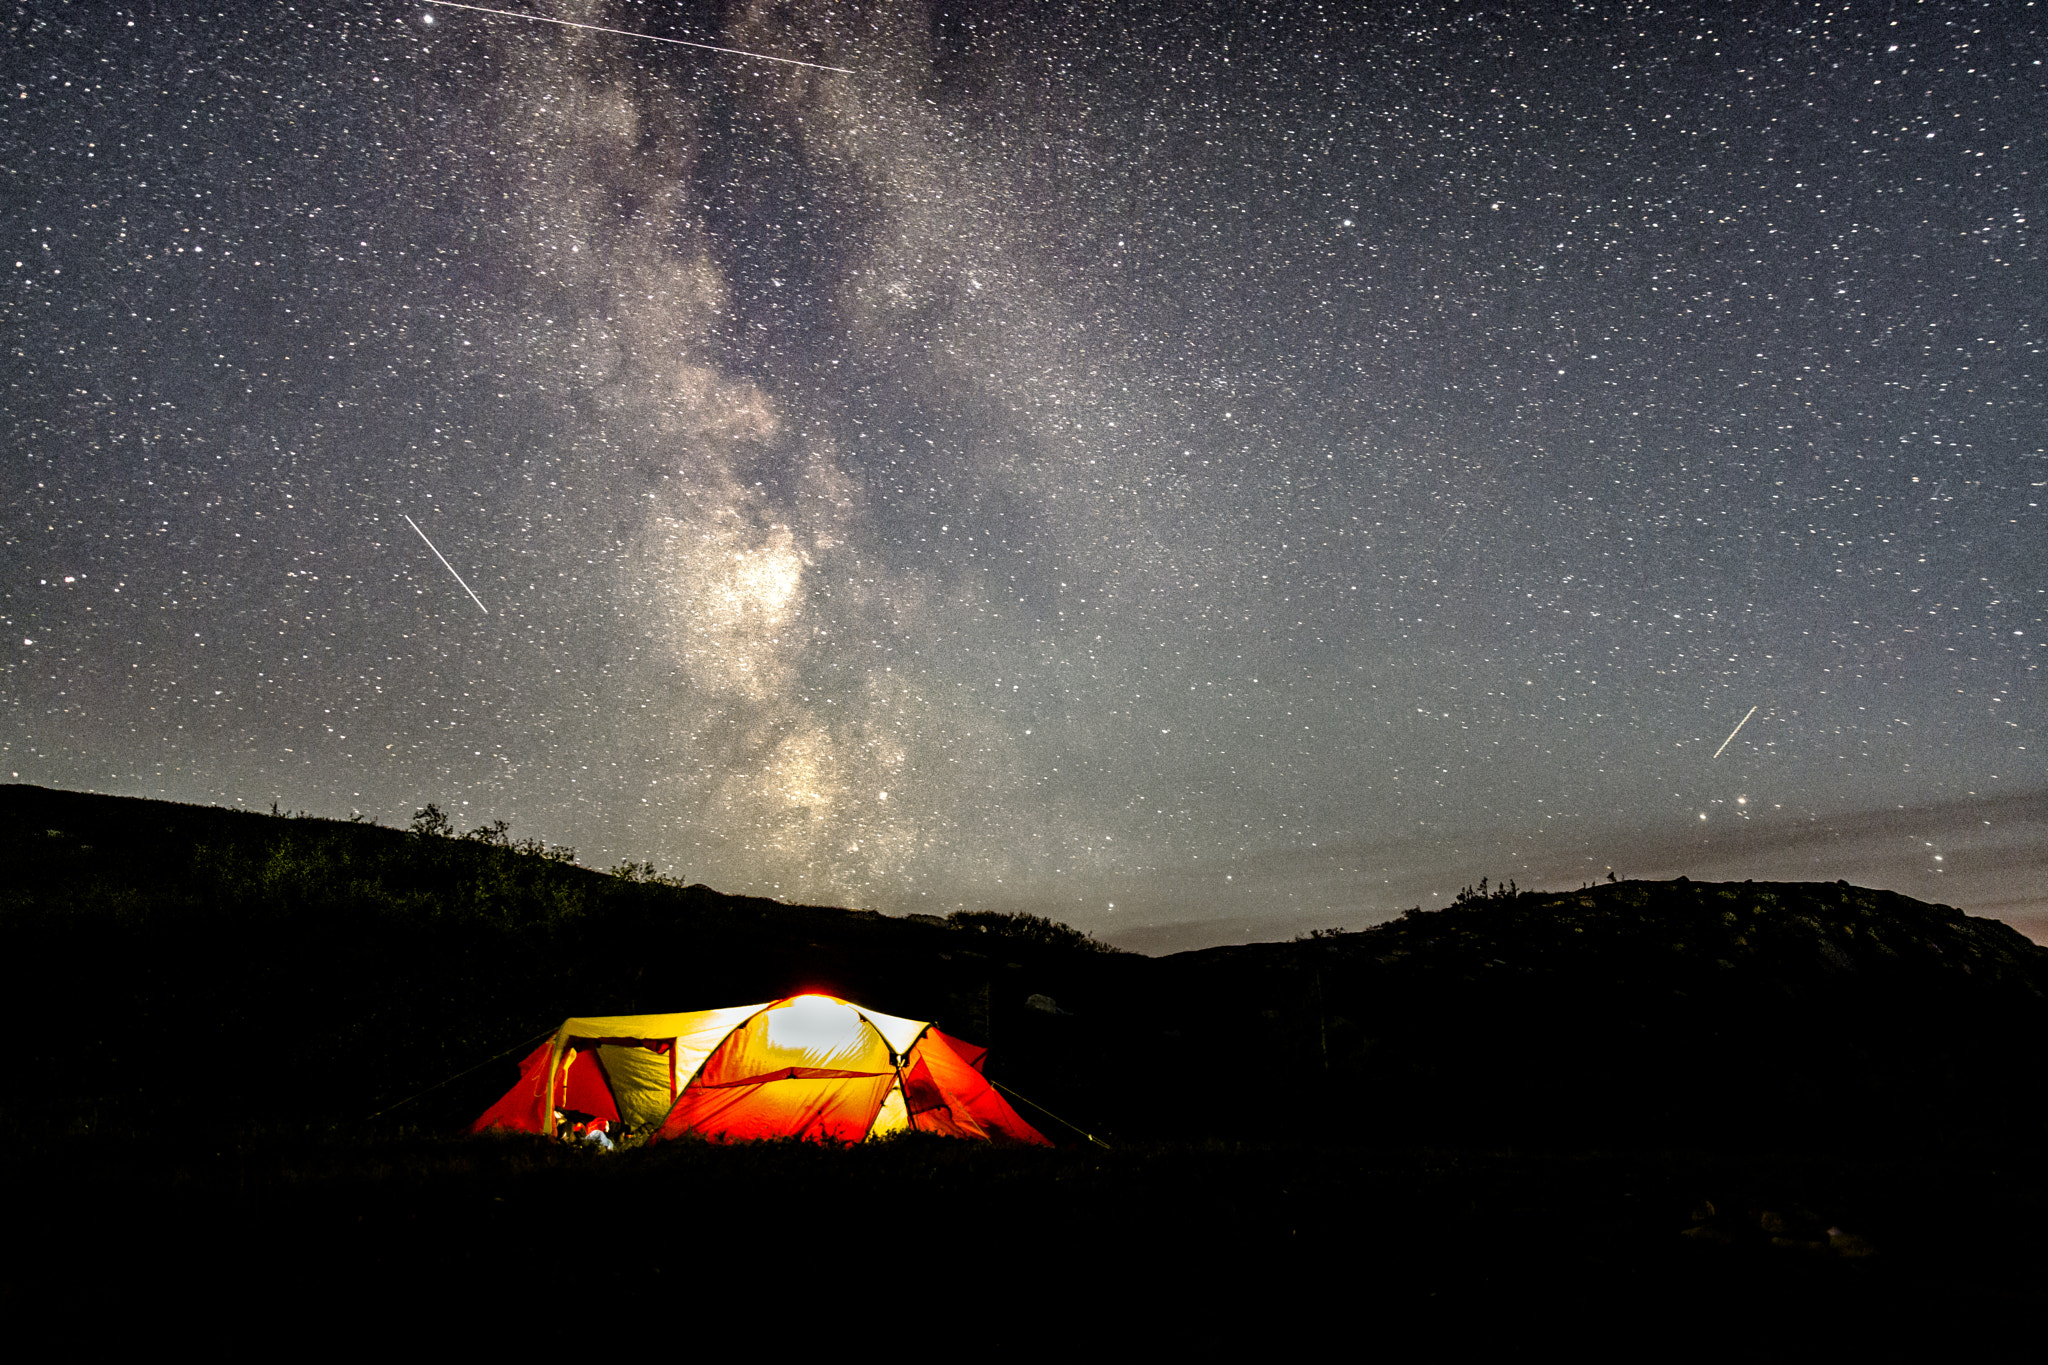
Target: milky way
<point x="1193" y="472"/>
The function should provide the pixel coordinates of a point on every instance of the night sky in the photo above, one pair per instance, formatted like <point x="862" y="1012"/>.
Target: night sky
<point x="1197" y="472"/>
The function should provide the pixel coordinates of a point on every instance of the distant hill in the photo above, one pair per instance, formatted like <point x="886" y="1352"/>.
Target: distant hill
<point x="188" y="968"/>
<point x="1666" y="1012"/>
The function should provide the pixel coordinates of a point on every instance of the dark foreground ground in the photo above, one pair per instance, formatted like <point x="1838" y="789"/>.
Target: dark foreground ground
<point x="1666" y="1117"/>
<point x="508" y="1241"/>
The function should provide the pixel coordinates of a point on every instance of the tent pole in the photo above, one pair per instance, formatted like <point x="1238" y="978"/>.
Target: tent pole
<point x="1322" y="1019"/>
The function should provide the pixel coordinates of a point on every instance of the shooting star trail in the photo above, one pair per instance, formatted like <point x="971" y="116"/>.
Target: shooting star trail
<point x="1724" y="743"/>
<point x="446" y="565"/>
<point x="646" y="37"/>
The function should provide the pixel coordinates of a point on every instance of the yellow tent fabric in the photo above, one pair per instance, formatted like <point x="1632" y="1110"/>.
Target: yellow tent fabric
<point x="812" y="1066"/>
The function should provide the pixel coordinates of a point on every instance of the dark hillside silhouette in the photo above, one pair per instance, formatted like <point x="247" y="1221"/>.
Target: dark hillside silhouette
<point x="327" y="970"/>
<point x="251" y="1040"/>
<point x="1770" y="1014"/>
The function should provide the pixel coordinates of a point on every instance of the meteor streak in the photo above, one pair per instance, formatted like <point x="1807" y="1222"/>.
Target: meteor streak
<point x="1717" y="753"/>
<point x="647" y="37"/>
<point x="446" y="565"/>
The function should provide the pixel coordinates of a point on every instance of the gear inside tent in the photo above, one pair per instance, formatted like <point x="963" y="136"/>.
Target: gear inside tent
<point x="810" y="1066"/>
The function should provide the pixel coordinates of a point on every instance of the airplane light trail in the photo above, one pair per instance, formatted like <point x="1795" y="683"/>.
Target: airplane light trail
<point x="648" y="37"/>
<point x="1731" y="734"/>
<point x="446" y="565"/>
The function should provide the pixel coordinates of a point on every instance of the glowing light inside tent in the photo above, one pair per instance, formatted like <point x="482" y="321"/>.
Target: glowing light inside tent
<point x="818" y="1029"/>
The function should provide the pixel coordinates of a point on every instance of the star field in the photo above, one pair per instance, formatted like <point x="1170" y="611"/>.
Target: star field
<point x="1193" y="471"/>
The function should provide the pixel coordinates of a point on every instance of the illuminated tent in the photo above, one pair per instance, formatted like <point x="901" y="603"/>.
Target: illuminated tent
<point x="811" y="1066"/>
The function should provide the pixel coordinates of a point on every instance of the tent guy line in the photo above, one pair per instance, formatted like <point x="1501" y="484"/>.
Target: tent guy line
<point x="1049" y="1114"/>
<point x="648" y="37"/>
<point x="450" y="1080"/>
<point x="446" y="565"/>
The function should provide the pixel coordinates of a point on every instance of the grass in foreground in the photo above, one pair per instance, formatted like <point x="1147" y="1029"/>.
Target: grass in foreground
<point x="1192" y="1236"/>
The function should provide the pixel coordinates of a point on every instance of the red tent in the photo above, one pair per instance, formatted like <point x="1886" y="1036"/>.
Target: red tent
<point x="811" y="1066"/>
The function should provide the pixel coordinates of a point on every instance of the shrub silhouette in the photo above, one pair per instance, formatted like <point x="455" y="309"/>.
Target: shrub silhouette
<point x="430" y="823"/>
<point x="1035" y="930"/>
